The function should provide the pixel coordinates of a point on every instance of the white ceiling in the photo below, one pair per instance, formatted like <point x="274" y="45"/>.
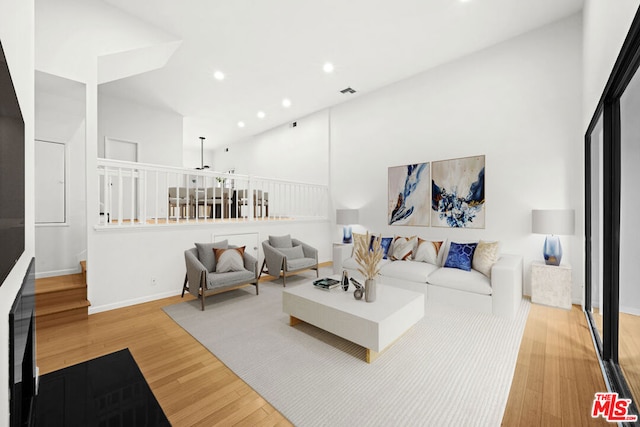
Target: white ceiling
<point x="274" y="49"/>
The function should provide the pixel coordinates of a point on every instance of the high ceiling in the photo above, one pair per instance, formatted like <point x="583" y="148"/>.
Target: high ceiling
<point x="276" y="49"/>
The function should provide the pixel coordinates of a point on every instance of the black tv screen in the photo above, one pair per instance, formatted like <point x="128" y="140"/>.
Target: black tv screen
<point x="11" y="173"/>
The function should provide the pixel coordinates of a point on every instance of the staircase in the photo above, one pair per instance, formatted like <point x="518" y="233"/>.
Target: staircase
<point x="61" y="299"/>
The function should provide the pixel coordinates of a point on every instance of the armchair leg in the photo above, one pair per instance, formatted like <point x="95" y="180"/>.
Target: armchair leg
<point x="184" y="286"/>
<point x="284" y="272"/>
<point x="202" y="301"/>
<point x="264" y="263"/>
<point x="257" y="289"/>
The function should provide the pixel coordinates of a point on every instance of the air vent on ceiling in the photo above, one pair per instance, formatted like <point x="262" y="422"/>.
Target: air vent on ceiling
<point x="347" y="90"/>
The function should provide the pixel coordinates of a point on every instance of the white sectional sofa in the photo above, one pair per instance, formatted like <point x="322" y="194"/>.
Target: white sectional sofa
<point x="470" y="290"/>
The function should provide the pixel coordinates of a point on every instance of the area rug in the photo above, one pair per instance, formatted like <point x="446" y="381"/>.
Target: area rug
<point x="107" y="391"/>
<point x="452" y="368"/>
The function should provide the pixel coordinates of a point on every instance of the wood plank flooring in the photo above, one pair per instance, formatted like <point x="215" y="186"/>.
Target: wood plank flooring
<point x="556" y="376"/>
<point x="557" y="372"/>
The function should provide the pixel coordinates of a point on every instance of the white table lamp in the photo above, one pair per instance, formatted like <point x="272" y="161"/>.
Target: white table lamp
<point x="553" y="222"/>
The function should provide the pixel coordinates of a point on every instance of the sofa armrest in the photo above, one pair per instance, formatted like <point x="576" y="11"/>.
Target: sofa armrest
<point x="196" y="272"/>
<point x="250" y="263"/>
<point x="506" y="283"/>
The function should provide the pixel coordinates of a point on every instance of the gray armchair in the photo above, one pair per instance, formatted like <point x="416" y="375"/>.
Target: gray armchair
<point x="202" y="279"/>
<point x="289" y="256"/>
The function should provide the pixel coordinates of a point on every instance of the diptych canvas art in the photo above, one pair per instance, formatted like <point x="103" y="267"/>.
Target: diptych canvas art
<point x="447" y="193"/>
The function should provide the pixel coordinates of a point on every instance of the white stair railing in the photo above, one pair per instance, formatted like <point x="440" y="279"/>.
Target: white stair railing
<point x="144" y="194"/>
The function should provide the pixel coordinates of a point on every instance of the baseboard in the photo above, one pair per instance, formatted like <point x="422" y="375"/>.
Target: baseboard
<point x="629" y="310"/>
<point x="68" y="271"/>
<point x="127" y="303"/>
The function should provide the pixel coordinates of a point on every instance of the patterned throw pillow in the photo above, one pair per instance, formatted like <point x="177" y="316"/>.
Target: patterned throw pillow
<point x="460" y="255"/>
<point x="427" y="251"/>
<point x="229" y="259"/>
<point x="485" y="256"/>
<point x="403" y="248"/>
<point x="385" y="245"/>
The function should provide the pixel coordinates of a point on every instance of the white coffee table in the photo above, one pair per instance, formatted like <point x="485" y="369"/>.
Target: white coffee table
<point x="375" y="325"/>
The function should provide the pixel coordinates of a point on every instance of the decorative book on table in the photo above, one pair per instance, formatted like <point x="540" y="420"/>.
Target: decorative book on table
<point x="326" y="283"/>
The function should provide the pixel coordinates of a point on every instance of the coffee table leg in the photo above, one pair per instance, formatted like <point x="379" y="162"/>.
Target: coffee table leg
<point x="294" y="321"/>
<point x="372" y="355"/>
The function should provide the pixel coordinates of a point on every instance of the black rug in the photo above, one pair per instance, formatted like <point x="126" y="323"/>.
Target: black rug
<point x="108" y="391"/>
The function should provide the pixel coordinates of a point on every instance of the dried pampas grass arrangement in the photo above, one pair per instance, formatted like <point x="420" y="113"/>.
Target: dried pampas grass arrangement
<point x="367" y="257"/>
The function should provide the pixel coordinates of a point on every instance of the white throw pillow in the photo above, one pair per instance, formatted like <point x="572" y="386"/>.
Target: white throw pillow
<point x="228" y="260"/>
<point x="427" y="251"/>
<point x="485" y="256"/>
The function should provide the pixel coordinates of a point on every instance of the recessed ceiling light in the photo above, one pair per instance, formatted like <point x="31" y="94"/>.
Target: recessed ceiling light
<point x="261" y="114"/>
<point x="286" y="103"/>
<point x="328" y="67"/>
<point x="240" y="124"/>
<point x="218" y="75"/>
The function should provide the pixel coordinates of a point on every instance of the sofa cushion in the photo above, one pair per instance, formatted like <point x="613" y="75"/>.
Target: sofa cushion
<point x="484" y="257"/>
<point x="222" y="280"/>
<point x="280" y="241"/>
<point x="206" y="255"/>
<point x="427" y="251"/>
<point x="412" y="271"/>
<point x="300" y="263"/>
<point x="228" y="260"/>
<point x="454" y="278"/>
<point x="460" y="255"/>
<point x="295" y="252"/>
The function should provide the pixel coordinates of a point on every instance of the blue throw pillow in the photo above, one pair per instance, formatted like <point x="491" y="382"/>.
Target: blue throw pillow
<point x="460" y="255"/>
<point x="385" y="244"/>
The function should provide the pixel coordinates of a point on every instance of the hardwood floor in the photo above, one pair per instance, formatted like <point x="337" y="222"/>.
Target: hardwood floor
<point x="557" y="372"/>
<point x="556" y="375"/>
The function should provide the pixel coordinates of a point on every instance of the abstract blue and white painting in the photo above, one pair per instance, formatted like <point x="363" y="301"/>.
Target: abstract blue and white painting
<point x="457" y="194"/>
<point x="409" y="199"/>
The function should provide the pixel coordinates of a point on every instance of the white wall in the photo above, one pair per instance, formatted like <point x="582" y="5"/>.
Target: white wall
<point x="157" y="132"/>
<point x="605" y="28"/>
<point x="159" y="252"/>
<point x="17" y="36"/>
<point x="298" y="153"/>
<point x="61" y="119"/>
<point x="518" y="103"/>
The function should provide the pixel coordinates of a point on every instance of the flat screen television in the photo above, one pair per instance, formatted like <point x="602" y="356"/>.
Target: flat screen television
<point x="11" y="173"/>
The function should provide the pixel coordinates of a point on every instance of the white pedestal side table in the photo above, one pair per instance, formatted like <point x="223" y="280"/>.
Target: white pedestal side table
<point x="551" y="285"/>
<point x="340" y="251"/>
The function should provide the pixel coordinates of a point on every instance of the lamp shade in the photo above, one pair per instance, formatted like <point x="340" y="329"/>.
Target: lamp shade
<point x="553" y="221"/>
<point x="346" y="216"/>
